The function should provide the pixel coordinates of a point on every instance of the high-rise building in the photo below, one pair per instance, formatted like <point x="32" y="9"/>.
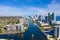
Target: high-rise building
<point x="35" y="17"/>
<point x="56" y="28"/>
<point x="40" y="17"/>
<point x="51" y="17"/>
<point x="46" y="18"/>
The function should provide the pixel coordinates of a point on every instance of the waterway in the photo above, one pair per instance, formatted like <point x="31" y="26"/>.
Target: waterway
<point x="33" y="33"/>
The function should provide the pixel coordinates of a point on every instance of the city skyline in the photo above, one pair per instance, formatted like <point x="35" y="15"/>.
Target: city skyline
<point x="29" y="7"/>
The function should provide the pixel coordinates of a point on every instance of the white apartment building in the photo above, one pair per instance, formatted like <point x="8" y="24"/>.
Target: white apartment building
<point x="23" y="21"/>
<point x="15" y="27"/>
<point x="56" y="27"/>
<point x="19" y="27"/>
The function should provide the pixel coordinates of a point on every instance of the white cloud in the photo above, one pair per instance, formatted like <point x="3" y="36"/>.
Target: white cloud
<point x="54" y="7"/>
<point x="9" y="11"/>
<point x="38" y="11"/>
<point x="25" y="10"/>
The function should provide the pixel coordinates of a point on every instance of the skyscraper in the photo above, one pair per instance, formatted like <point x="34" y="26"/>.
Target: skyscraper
<point x="40" y="17"/>
<point x="48" y="16"/>
<point x="51" y="17"/>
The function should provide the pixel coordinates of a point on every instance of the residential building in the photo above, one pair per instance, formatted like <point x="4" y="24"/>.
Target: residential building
<point x="40" y="17"/>
<point x="10" y="27"/>
<point x="35" y="17"/>
<point x="15" y="27"/>
<point x="23" y="21"/>
<point x="46" y="19"/>
<point x="56" y="28"/>
<point x="51" y="17"/>
<point x="42" y="23"/>
<point x="19" y="27"/>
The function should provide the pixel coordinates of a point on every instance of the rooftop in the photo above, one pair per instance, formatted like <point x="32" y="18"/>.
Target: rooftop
<point x="55" y="22"/>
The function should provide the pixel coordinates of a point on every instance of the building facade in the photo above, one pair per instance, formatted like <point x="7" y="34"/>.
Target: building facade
<point x="56" y="28"/>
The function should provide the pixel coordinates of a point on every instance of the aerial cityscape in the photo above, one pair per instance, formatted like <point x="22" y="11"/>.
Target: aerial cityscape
<point x="29" y="19"/>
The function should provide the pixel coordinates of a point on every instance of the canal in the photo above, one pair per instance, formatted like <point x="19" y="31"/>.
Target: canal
<point x="33" y="33"/>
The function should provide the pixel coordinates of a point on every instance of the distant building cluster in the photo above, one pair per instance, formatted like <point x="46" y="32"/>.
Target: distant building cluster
<point x="44" y="19"/>
<point x="50" y="19"/>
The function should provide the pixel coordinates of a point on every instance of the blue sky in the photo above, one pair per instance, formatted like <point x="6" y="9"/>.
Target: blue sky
<point x="28" y="7"/>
